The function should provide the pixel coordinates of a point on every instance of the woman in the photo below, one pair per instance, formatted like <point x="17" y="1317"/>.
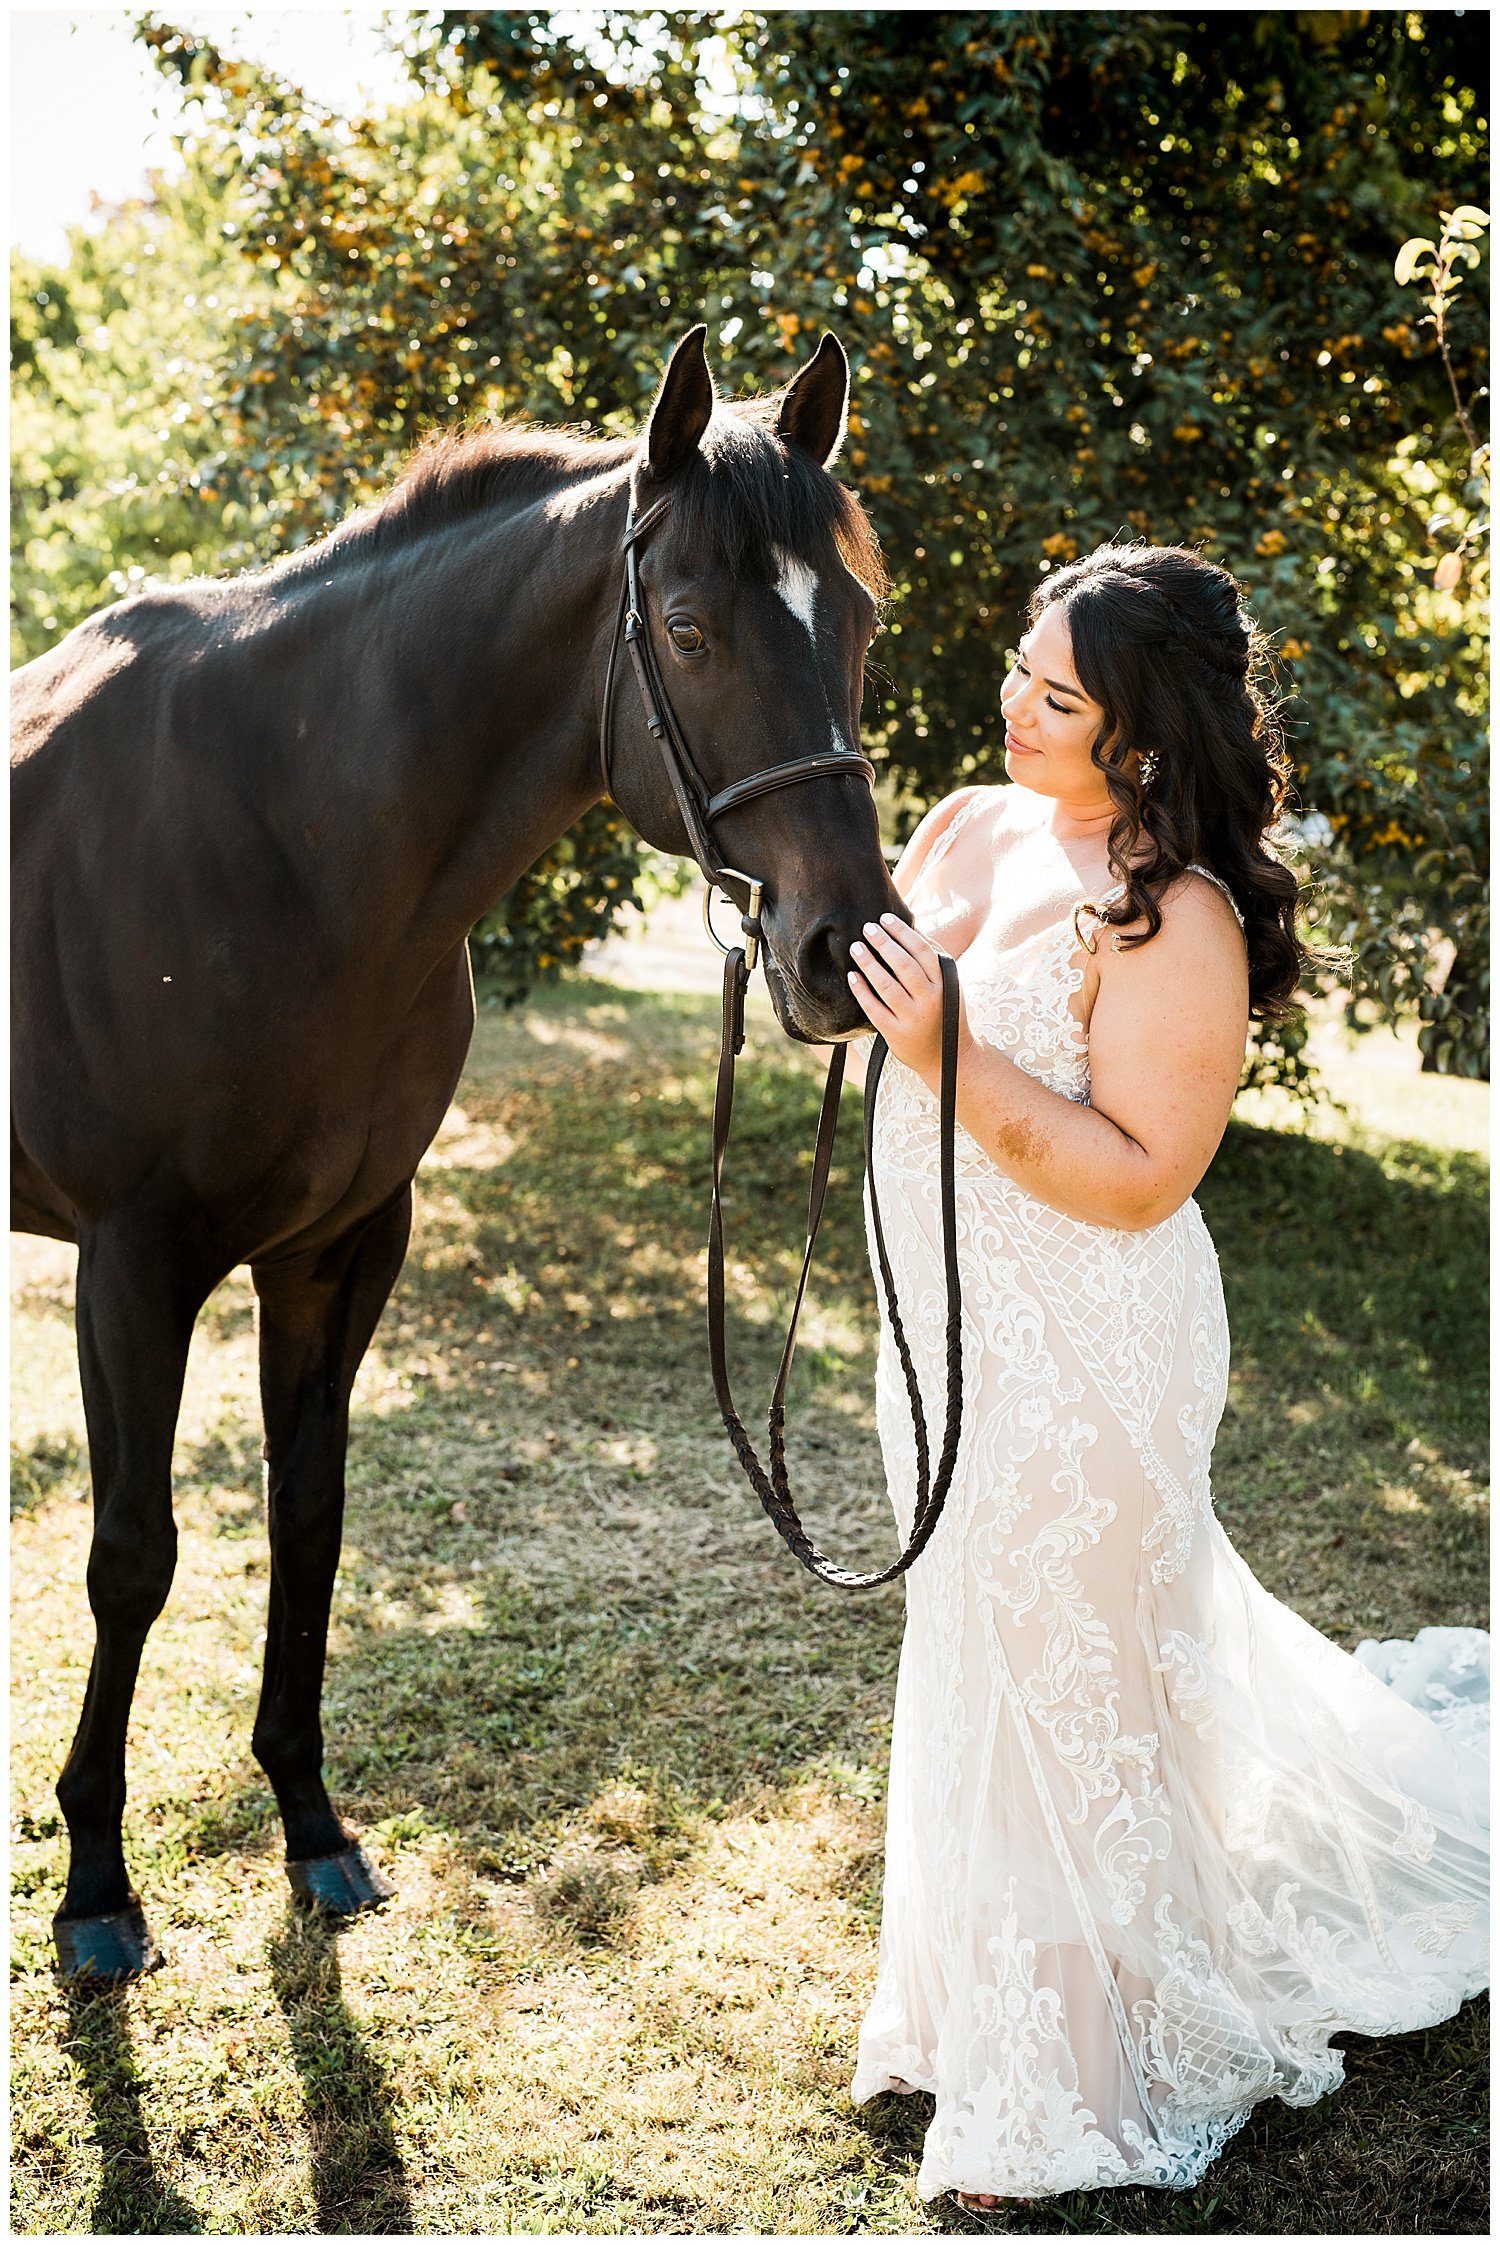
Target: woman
<point x="1152" y="1840"/>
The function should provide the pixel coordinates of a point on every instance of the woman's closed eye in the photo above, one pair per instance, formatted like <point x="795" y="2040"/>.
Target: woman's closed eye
<point x="1064" y="709"/>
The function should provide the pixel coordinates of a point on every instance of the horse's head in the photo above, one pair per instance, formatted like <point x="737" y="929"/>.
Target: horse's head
<point x="761" y="588"/>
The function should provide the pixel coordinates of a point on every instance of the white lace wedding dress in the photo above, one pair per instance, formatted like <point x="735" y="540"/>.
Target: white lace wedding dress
<point x="1152" y="1839"/>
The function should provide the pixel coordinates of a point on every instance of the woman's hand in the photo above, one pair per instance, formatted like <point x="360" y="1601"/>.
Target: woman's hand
<point x="899" y="989"/>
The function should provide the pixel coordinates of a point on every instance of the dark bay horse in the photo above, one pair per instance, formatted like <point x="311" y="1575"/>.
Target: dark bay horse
<point x="253" y="822"/>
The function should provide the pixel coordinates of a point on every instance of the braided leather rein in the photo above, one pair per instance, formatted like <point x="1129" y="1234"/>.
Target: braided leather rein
<point x="699" y="808"/>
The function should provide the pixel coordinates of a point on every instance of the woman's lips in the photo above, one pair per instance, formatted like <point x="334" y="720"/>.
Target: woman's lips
<point x="1019" y="746"/>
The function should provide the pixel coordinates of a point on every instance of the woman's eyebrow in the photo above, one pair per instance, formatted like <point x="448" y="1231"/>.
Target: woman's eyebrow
<point x="1060" y="686"/>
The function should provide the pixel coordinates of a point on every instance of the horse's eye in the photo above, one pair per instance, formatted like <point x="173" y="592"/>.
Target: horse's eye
<point x="686" y="636"/>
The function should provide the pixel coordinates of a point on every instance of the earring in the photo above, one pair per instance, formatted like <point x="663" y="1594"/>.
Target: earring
<point x="1148" y="768"/>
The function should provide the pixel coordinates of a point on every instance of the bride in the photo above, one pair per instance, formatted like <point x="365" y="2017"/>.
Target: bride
<point x="1152" y="1840"/>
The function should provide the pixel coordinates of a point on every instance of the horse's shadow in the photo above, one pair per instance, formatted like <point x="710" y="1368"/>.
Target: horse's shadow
<point x="358" y="2176"/>
<point x="132" y="2200"/>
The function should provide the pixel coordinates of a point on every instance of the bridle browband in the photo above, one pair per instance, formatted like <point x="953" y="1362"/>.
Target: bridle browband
<point x="700" y="808"/>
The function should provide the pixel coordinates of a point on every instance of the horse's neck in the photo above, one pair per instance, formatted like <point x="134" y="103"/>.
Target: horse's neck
<point x="468" y="666"/>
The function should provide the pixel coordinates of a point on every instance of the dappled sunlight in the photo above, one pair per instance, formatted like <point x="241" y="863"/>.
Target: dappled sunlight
<point x="638" y="1452"/>
<point x="621" y="1757"/>
<point x="1397" y="1497"/>
<point x="42" y="1275"/>
<point x="453" y="1605"/>
<point x="221" y="1391"/>
<point x="381" y="1389"/>
<point x="46" y="1406"/>
<point x="597" y="1045"/>
<point x="463" y="1144"/>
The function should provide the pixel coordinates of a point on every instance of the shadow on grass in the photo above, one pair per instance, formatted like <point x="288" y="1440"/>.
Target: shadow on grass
<point x="52" y="1466"/>
<point x="559" y="1280"/>
<point x="132" y="2200"/>
<point x="358" y="2178"/>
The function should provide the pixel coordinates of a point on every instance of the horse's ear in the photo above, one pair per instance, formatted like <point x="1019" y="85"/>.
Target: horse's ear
<point x="684" y="406"/>
<point x="816" y="404"/>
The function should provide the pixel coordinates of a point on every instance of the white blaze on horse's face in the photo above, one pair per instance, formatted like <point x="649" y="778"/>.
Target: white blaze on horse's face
<point x="798" y="589"/>
<point x="797" y="585"/>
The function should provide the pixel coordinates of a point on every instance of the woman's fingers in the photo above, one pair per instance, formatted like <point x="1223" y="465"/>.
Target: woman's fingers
<point x="915" y="970"/>
<point x="872" y="1005"/>
<point x="896" y="975"/>
<point x="877" y="975"/>
<point x="908" y="931"/>
<point x="905" y="947"/>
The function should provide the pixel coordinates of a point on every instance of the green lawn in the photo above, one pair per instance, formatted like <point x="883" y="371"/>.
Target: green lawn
<point x="624" y="1761"/>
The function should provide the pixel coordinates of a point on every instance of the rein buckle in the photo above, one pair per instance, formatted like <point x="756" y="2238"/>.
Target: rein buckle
<point x="749" y="919"/>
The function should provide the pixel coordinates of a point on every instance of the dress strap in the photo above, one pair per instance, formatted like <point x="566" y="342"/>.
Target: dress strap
<point x="939" y="848"/>
<point x="1112" y="896"/>
<point x="1220" y="884"/>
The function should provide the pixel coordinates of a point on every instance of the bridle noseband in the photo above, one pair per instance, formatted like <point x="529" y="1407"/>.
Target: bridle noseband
<point x="700" y="808"/>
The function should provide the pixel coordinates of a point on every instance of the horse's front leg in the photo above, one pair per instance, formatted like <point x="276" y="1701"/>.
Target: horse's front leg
<point x="138" y="1294"/>
<point x="316" y="1318"/>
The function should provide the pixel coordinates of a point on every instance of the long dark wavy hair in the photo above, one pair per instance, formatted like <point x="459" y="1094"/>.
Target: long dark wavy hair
<point x="1162" y="643"/>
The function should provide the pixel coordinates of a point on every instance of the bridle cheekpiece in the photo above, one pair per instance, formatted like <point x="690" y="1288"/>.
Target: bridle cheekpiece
<point x="699" y="806"/>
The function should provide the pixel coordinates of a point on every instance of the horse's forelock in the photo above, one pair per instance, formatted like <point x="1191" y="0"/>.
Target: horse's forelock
<point x="748" y="502"/>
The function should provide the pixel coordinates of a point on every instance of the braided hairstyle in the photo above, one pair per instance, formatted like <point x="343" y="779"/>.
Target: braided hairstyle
<point x="1161" y="642"/>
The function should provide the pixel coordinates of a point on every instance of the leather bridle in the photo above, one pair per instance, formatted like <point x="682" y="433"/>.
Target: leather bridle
<point x="700" y="807"/>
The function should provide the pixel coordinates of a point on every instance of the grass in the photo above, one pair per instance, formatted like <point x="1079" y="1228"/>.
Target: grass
<point x="623" y="1760"/>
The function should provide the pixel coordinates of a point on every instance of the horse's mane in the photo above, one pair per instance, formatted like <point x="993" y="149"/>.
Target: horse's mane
<point x="456" y="473"/>
<point x="745" y="499"/>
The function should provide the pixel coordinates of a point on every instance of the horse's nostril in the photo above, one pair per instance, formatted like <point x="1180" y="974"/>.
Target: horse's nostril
<point x="823" y="957"/>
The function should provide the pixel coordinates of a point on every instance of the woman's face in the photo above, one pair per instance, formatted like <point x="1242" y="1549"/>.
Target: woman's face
<point x="1050" y="723"/>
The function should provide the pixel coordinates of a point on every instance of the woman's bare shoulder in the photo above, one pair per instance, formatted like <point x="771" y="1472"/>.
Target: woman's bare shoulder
<point x="934" y="823"/>
<point x="947" y="809"/>
<point x="1199" y="927"/>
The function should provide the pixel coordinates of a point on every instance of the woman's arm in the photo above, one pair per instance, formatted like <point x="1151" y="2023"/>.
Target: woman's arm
<point x="1166" y="1045"/>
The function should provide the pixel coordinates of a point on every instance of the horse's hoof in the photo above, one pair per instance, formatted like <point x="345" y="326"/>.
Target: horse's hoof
<point x="342" y="1884"/>
<point x="105" y="1951"/>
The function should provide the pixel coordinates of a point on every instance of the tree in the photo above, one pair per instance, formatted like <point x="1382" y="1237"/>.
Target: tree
<point x="117" y="462"/>
<point x="1136" y="272"/>
<point x="1381" y="919"/>
<point x="1104" y="273"/>
<point x="1097" y="272"/>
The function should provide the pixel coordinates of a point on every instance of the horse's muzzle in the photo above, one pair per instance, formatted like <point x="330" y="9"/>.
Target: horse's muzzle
<point x="825" y="1015"/>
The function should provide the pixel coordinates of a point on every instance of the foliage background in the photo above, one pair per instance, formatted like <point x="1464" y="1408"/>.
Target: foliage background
<point x="1097" y="271"/>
